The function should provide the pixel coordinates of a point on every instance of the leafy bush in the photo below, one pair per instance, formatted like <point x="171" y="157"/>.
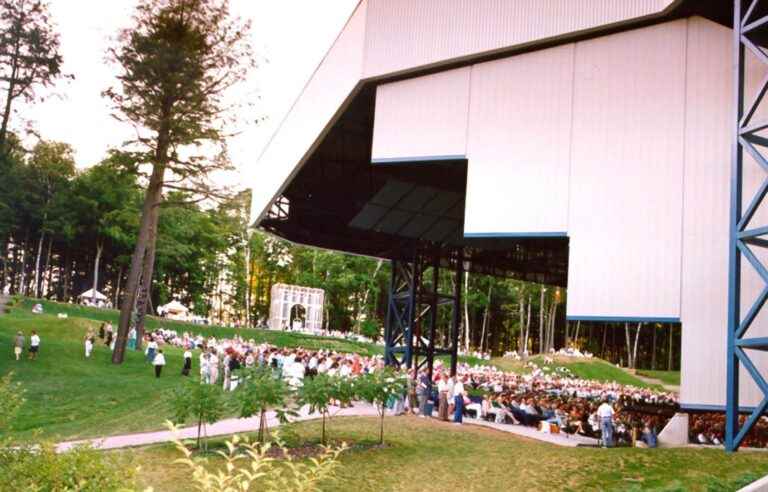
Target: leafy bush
<point x="370" y="329"/>
<point x="249" y="467"/>
<point x="378" y="387"/>
<point x="82" y="469"/>
<point x="203" y="403"/>
<point x="260" y="391"/>
<point x="321" y="391"/>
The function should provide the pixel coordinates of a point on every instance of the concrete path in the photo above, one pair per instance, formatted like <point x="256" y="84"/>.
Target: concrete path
<point x="221" y="428"/>
<point x="240" y="426"/>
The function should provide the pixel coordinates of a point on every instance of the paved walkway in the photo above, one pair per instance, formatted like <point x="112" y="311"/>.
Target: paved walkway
<point x="239" y="426"/>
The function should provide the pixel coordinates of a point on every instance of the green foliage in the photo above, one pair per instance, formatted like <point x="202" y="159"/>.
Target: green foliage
<point x="378" y="387"/>
<point x="81" y="469"/>
<point x="249" y="467"/>
<point x="11" y="400"/>
<point x="262" y="390"/>
<point x="201" y="403"/>
<point x="31" y="58"/>
<point x="370" y="328"/>
<point x="322" y="390"/>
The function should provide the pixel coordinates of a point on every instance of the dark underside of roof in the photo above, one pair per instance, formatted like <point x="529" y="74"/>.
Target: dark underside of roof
<point x="339" y="200"/>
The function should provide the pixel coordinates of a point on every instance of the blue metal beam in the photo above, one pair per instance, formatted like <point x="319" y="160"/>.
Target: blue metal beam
<point x="734" y="256"/>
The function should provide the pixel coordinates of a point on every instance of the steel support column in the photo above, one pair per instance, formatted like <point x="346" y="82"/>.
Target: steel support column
<point x="749" y="31"/>
<point x="416" y="301"/>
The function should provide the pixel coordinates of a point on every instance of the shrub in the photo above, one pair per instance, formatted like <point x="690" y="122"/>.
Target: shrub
<point x="370" y="329"/>
<point x="378" y="387"/>
<point x="260" y="391"/>
<point x="199" y="402"/>
<point x="321" y="391"/>
<point x="249" y="467"/>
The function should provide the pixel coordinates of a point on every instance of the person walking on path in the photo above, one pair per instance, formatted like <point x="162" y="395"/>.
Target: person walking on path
<point x="18" y="345"/>
<point x="458" y="401"/>
<point x="34" y="345"/>
<point x="605" y="414"/>
<point x="158" y="362"/>
<point x="187" y="363"/>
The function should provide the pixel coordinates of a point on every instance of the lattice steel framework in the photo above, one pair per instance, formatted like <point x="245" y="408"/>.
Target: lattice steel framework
<point x="750" y="26"/>
<point x="417" y="306"/>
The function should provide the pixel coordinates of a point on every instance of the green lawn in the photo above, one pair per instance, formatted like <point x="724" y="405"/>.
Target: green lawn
<point x="671" y="378"/>
<point x="427" y="455"/>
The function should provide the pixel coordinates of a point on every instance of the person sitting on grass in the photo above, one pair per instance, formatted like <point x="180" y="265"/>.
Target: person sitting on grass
<point x="18" y="345"/>
<point x="159" y="362"/>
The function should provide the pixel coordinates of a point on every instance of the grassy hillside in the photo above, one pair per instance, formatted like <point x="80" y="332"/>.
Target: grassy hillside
<point x="596" y="369"/>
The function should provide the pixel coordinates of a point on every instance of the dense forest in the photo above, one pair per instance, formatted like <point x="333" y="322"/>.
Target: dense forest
<point x="149" y="224"/>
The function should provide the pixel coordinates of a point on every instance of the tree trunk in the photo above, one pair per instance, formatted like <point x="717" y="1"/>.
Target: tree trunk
<point x="629" y="345"/>
<point x="37" y="263"/>
<point x="576" y="336"/>
<point x="23" y="279"/>
<point x="96" y="261"/>
<point x="605" y="339"/>
<point x="9" y="95"/>
<point x="485" y="316"/>
<point x="65" y="276"/>
<point x="521" y="336"/>
<point x="634" y="350"/>
<point x="47" y="269"/>
<point x="150" y="211"/>
<point x="145" y="287"/>
<point x="466" y="312"/>
<point x="381" y="428"/>
<point x="363" y="305"/>
<point x="552" y="318"/>
<point x="653" y="348"/>
<point x="117" y="288"/>
<point x="669" y="353"/>
<point x="527" y="326"/>
<point x="541" y="321"/>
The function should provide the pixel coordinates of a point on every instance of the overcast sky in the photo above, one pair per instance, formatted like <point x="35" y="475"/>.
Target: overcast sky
<point x="289" y="36"/>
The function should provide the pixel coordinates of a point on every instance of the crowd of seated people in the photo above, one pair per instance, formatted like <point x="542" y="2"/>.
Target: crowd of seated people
<point x="544" y="395"/>
<point x="708" y="428"/>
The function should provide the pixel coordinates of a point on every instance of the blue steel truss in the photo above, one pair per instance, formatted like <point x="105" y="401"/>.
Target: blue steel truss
<point x="415" y="302"/>
<point x="750" y="27"/>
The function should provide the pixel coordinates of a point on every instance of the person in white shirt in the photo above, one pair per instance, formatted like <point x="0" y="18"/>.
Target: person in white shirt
<point x="605" y="414"/>
<point x="34" y="345"/>
<point x="158" y="362"/>
<point x="88" y="345"/>
<point x="458" y="400"/>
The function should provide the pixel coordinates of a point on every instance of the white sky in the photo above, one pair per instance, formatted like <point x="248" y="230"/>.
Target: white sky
<point x="291" y="35"/>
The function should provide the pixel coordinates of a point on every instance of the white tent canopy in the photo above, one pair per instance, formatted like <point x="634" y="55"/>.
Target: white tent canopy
<point x="91" y="294"/>
<point x="173" y="307"/>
